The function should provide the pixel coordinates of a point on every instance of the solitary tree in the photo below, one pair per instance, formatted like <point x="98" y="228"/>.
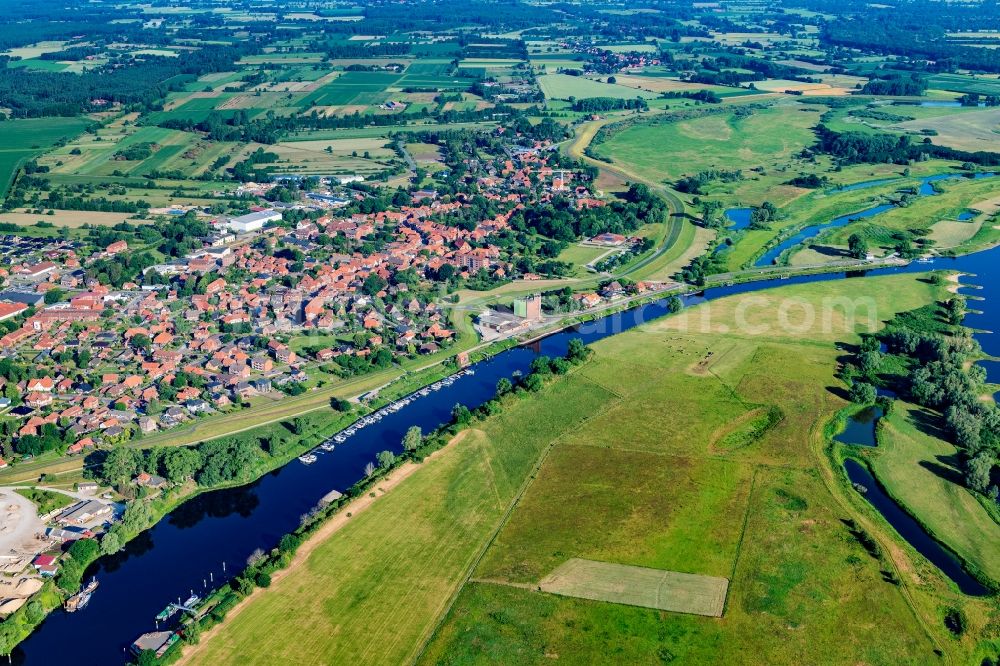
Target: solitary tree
<point x="255" y="557"/>
<point x="110" y="544"/>
<point x="386" y="459"/>
<point x="857" y="246"/>
<point x="977" y="471"/>
<point x="413" y="438"/>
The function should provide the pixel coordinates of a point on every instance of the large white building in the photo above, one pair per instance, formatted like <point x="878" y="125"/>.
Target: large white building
<point x="253" y="221"/>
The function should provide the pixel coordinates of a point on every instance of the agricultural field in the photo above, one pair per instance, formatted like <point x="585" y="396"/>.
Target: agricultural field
<point x="352" y="88"/>
<point x="336" y="156"/>
<point x="22" y="140"/>
<point x="662" y="84"/>
<point x="67" y="218"/>
<point x="965" y="83"/>
<point x="834" y="87"/>
<point x="564" y="86"/>
<point x="880" y="117"/>
<point x="971" y="131"/>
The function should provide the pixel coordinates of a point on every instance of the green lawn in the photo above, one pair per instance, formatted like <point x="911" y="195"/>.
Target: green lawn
<point x="580" y="256"/>
<point x="45" y="500"/>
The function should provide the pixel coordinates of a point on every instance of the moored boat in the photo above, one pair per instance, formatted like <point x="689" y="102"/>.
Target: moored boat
<point x="80" y="600"/>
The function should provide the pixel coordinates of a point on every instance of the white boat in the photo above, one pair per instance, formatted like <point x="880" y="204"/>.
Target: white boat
<point x="327" y="446"/>
<point x="308" y="458"/>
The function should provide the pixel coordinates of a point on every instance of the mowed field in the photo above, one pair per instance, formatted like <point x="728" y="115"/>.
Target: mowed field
<point x="638" y="586"/>
<point x="642" y="471"/>
<point x="972" y="131"/>
<point x="564" y="86"/>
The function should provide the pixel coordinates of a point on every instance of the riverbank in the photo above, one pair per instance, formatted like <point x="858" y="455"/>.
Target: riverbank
<point x="624" y="482"/>
<point x="332" y="525"/>
<point x="275" y="502"/>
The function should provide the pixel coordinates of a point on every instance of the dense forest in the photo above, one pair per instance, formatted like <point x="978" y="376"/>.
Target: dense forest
<point x="920" y="36"/>
<point x="136" y="80"/>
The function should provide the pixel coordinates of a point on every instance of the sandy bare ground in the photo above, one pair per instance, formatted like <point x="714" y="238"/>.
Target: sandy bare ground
<point x="328" y="529"/>
<point x="19" y="523"/>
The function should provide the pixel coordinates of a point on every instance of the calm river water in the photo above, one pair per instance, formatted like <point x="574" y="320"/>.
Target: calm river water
<point x="182" y="552"/>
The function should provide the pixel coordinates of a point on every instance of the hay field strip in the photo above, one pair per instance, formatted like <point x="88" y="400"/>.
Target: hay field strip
<point x="563" y="86"/>
<point x="638" y="586"/>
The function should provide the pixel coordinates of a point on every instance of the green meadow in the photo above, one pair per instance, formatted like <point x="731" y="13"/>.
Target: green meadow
<point x="24" y="139"/>
<point x="763" y="145"/>
<point x="564" y="86"/>
<point x="924" y="474"/>
<point x="651" y="454"/>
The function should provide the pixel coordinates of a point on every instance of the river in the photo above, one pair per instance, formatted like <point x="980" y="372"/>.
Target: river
<point x="191" y="544"/>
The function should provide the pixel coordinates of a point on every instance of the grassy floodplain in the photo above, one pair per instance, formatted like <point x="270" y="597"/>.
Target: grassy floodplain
<point x="923" y="473"/>
<point x="937" y="216"/>
<point x="766" y="140"/>
<point x="699" y="487"/>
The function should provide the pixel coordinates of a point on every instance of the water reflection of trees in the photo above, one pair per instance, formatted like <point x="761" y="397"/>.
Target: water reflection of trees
<point x="140" y="545"/>
<point x="216" y="504"/>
